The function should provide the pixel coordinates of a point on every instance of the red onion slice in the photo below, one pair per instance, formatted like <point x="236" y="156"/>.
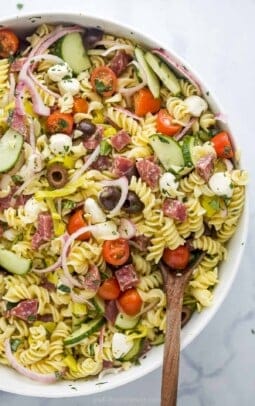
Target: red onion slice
<point x="172" y="60"/>
<point x="38" y="104"/>
<point x="20" y="88"/>
<point x="128" y="113"/>
<point x="117" y="48"/>
<point x="221" y="117"/>
<point x="43" y="378"/>
<point x="50" y="268"/>
<point x="52" y="37"/>
<point x="101" y="339"/>
<point x="122" y="183"/>
<point x="86" y="165"/>
<point x="12" y="87"/>
<point x="179" y="136"/>
<point x="43" y="87"/>
<point x="127" y="229"/>
<point x="80" y="299"/>
<point x="229" y="164"/>
<point x="130" y="91"/>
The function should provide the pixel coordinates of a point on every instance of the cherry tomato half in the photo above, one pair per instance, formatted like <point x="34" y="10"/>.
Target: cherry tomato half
<point x="178" y="258"/>
<point x="130" y="302"/>
<point x="109" y="290"/>
<point x="104" y="81"/>
<point x="116" y="252"/>
<point x="76" y="221"/>
<point x="164" y="123"/>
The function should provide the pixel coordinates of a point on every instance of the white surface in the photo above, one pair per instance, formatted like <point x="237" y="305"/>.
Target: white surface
<point x="217" y="41"/>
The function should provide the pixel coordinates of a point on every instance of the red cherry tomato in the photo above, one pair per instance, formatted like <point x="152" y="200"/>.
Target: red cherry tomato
<point x="178" y="258"/>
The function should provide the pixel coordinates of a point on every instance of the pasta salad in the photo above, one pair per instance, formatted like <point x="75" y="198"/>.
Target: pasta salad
<point x="111" y="163"/>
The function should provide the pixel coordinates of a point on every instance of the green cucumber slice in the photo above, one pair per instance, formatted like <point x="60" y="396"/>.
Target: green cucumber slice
<point x="84" y="331"/>
<point x="153" y="82"/>
<point x="14" y="263"/>
<point x="99" y="305"/>
<point x="167" y="150"/>
<point x="188" y="144"/>
<point x="133" y="354"/>
<point x="10" y="149"/>
<point x="125" y="322"/>
<point x="180" y="171"/>
<point x="73" y="52"/>
<point x="164" y="73"/>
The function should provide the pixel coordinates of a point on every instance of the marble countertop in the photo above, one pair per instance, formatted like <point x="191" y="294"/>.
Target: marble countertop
<point x="217" y="39"/>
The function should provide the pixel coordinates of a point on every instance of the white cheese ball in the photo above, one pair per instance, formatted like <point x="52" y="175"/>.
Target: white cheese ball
<point x="120" y="345"/>
<point x="60" y="144"/>
<point x="32" y="209"/>
<point x="59" y="71"/>
<point x="196" y="105"/>
<point x="94" y="210"/>
<point x="71" y="86"/>
<point x="220" y="184"/>
<point x="168" y="183"/>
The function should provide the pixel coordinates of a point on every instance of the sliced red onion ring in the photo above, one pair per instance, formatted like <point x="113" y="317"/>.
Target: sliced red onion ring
<point x="122" y="183"/>
<point x="20" y="88"/>
<point x="172" y="60"/>
<point x="43" y="378"/>
<point x="101" y="339"/>
<point x="127" y="229"/>
<point x="96" y="229"/>
<point x="117" y="48"/>
<point x="52" y="37"/>
<point x="12" y="87"/>
<point x="80" y="299"/>
<point x="128" y="113"/>
<point x="147" y="308"/>
<point x="221" y="117"/>
<point x="131" y="90"/>
<point x="50" y="268"/>
<point x="179" y="136"/>
<point x="43" y="87"/>
<point x="21" y="188"/>
<point x="38" y="104"/>
<point x="229" y="164"/>
<point x="87" y="164"/>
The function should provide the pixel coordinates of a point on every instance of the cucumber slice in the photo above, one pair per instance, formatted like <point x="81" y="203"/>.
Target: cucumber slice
<point x="84" y="331"/>
<point x="14" y="263"/>
<point x="133" y="354"/>
<point x="153" y="82"/>
<point x="180" y="171"/>
<point x="164" y="73"/>
<point x="99" y="305"/>
<point x="188" y="144"/>
<point x="10" y="149"/>
<point x="167" y="150"/>
<point x="125" y="322"/>
<point x="73" y="52"/>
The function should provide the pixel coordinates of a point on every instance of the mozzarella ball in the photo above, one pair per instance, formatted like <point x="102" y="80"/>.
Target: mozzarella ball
<point x="71" y="86"/>
<point x="60" y="143"/>
<point x="59" y="71"/>
<point x="167" y="183"/>
<point x="120" y="345"/>
<point x="196" y="105"/>
<point x="94" y="210"/>
<point x="220" y="184"/>
<point x="31" y="210"/>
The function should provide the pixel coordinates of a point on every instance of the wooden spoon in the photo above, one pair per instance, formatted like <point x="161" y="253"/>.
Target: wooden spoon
<point x="175" y="283"/>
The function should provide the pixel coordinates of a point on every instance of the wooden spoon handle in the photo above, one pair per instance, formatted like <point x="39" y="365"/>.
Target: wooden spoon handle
<point x="174" y="292"/>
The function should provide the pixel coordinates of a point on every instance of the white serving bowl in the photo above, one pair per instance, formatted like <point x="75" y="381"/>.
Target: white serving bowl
<point x="10" y="380"/>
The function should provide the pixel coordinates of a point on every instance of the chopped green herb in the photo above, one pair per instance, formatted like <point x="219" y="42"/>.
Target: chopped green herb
<point x="68" y="204"/>
<point x="19" y="6"/>
<point x="31" y="318"/>
<point x="101" y="87"/>
<point x="11" y="305"/>
<point x="163" y="139"/>
<point x="137" y="362"/>
<point x="215" y="204"/>
<point x="64" y="288"/>
<point x="101" y="383"/>
<point x="62" y="123"/>
<point x="15" y="343"/>
<point x="17" y="179"/>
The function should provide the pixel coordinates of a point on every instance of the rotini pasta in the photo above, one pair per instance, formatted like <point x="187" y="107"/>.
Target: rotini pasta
<point x="107" y="177"/>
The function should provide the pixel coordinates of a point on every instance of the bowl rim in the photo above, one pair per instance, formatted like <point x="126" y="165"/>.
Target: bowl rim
<point x="41" y="391"/>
